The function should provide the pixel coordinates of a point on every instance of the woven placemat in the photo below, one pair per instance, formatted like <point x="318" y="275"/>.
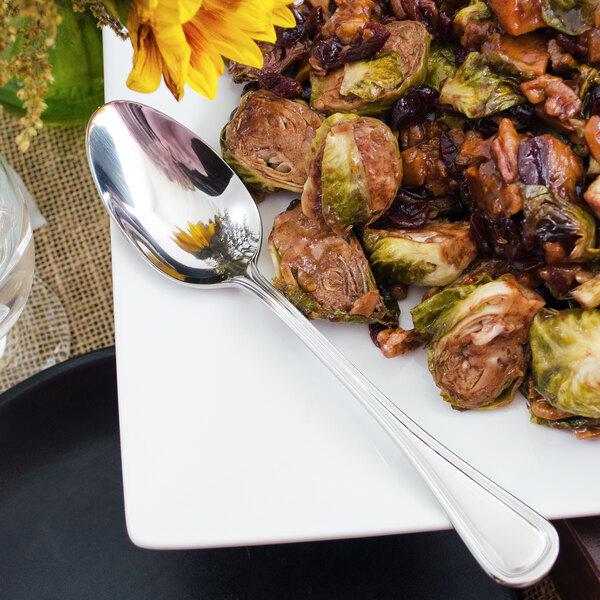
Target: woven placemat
<point x="73" y="249"/>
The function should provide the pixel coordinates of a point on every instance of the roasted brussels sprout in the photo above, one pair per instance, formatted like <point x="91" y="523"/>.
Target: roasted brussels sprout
<point x="326" y="276"/>
<point x="266" y="141"/>
<point x="555" y="220"/>
<point x="572" y="17"/>
<point x="433" y="255"/>
<point x="354" y="171"/>
<point x="524" y="56"/>
<point x="477" y="91"/>
<point x="565" y="353"/>
<point x="476" y="10"/>
<point x="371" y="86"/>
<point x="441" y="65"/>
<point x="478" y="353"/>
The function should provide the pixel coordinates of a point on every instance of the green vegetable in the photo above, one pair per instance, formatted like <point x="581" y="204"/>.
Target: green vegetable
<point x="475" y="11"/>
<point x="433" y="255"/>
<point x="344" y="187"/>
<point x="543" y="208"/>
<point x="478" y="334"/>
<point x="266" y="141"/>
<point x="565" y="359"/>
<point x="371" y="86"/>
<point x="326" y="276"/>
<point x="478" y="91"/>
<point x="348" y="183"/>
<point x="572" y="17"/>
<point x="370" y="78"/>
<point x="440" y="64"/>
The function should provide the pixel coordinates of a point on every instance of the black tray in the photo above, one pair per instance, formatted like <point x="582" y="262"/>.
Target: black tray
<point x="62" y="526"/>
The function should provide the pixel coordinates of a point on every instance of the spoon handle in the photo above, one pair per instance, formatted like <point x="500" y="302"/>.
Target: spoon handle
<point x="512" y="543"/>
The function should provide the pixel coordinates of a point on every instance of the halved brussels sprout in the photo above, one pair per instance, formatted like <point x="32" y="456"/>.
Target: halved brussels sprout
<point x="572" y="17"/>
<point x="556" y="220"/>
<point x="440" y="64"/>
<point x="588" y="293"/>
<point x="371" y="86"/>
<point x="326" y="276"/>
<point x="525" y="56"/>
<point x="477" y="91"/>
<point x="354" y="171"/>
<point x="565" y="359"/>
<point x="433" y="255"/>
<point x="478" y="353"/>
<point x="476" y="10"/>
<point x="266" y="141"/>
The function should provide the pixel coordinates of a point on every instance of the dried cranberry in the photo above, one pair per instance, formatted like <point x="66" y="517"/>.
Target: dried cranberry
<point x="415" y="192"/>
<point x="572" y="45"/>
<point x="531" y="159"/>
<point x="369" y="40"/>
<point x="288" y="37"/>
<point x="374" y="330"/>
<point x="524" y="114"/>
<point x="461" y="56"/>
<point x="283" y="86"/>
<point x="487" y="127"/>
<point x="527" y="265"/>
<point x="327" y="53"/>
<point x="407" y="215"/>
<point x="448" y="109"/>
<point x="414" y="107"/>
<point x="449" y="152"/>
<point x="593" y="100"/>
<point x="422" y="12"/>
<point x="445" y="27"/>
<point x="315" y="21"/>
<point x="251" y="86"/>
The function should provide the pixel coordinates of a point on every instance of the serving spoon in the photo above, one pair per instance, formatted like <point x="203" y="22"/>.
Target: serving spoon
<point x="182" y="207"/>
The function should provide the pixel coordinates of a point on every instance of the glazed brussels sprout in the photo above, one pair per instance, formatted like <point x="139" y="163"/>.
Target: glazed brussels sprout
<point x="572" y="17"/>
<point x="266" y="141"/>
<point x="555" y="220"/>
<point x="324" y="275"/>
<point x="354" y="171"/>
<point x="478" y="354"/>
<point x="477" y="91"/>
<point x="433" y="255"/>
<point x="371" y="86"/>
<point x="440" y="65"/>
<point x="565" y="353"/>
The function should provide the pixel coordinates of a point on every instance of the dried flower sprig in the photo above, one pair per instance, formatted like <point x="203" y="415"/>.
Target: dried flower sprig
<point x="35" y="22"/>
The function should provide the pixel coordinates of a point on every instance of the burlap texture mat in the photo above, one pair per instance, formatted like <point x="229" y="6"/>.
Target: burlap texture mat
<point x="73" y="249"/>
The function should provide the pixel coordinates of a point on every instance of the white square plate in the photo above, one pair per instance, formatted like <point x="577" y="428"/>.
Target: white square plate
<point x="232" y="433"/>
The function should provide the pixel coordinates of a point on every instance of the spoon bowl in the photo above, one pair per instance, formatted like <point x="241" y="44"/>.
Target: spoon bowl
<point x="186" y="211"/>
<point x="174" y="199"/>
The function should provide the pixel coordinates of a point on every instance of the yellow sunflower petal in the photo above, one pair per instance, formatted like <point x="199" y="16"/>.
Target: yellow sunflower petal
<point x="147" y="61"/>
<point x="283" y="16"/>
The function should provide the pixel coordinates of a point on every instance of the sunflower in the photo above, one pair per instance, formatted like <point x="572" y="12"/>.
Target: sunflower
<point x="185" y="41"/>
<point x="196" y="239"/>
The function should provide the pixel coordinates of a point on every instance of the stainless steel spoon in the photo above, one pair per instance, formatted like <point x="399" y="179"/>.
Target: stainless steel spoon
<point x="156" y="178"/>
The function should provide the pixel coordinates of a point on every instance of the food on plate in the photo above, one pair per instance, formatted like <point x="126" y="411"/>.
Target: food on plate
<point x="478" y="339"/>
<point x="371" y="86"/>
<point x="454" y="145"/>
<point x="565" y="364"/>
<point x="267" y="139"/>
<point x="326" y="276"/>
<point x="354" y="170"/>
<point x="432" y="255"/>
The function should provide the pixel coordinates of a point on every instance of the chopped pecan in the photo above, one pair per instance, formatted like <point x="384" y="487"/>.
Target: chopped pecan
<point x="477" y="32"/>
<point x="348" y="19"/>
<point x="560" y="100"/>
<point x="562" y="62"/>
<point x="394" y="342"/>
